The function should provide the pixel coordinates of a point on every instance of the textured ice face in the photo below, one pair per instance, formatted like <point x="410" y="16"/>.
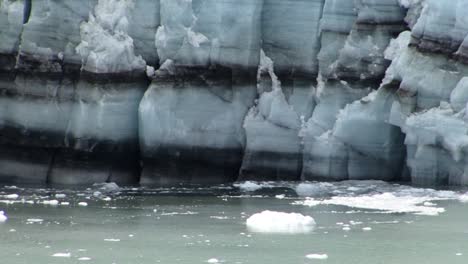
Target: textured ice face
<point x="11" y="21"/>
<point x="105" y="45"/>
<point x="210" y="32"/>
<point x="74" y="79"/>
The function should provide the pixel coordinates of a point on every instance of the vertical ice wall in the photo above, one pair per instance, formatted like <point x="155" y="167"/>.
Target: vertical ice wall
<point x="249" y="89"/>
<point x="71" y="109"/>
<point x="286" y="78"/>
<point x="347" y="129"/>
<point x="430" y="69"/>
<point x="191" y="116"/>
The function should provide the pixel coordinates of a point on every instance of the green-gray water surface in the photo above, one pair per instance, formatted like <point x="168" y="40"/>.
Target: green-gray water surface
<point x="202" y="225"/>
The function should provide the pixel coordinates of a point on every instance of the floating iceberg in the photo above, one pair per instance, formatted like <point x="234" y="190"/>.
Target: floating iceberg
<point x="279" y="222"/>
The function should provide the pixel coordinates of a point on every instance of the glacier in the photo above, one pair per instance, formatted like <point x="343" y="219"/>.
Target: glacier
<point x="169" y="92"/>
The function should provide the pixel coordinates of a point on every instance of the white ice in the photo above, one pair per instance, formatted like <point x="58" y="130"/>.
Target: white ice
<point x="280" y="222"/>
<point x="3" y="217"/>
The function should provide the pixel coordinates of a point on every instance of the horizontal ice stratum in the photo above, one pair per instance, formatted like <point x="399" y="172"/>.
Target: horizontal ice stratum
<point x="170" y="92"/>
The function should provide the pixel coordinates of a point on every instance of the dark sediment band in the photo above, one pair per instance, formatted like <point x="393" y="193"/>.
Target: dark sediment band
<point x="7" y="62"/>
<point x="174" y="165"/>
<point x="271" y="166"/>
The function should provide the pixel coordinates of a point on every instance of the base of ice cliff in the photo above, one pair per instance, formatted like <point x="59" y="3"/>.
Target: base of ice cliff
<point x="174" y="92"/>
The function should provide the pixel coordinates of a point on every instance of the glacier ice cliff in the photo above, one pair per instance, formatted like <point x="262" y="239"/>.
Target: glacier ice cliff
<point x="173" y="92"/>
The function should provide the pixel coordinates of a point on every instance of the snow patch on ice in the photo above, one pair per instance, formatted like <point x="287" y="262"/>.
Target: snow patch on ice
<point x="280" y="222"/>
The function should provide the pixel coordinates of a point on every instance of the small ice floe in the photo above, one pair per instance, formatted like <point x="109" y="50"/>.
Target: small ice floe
<point x="51" y="202"/>
<point x="84" y="259"/>
<point x="82" y="204"/>
<point x="179" y="213"/>
<point x="213" y="260"/>
<point x="12" y="196"/>
<point x="60" y="195"/>
<point x="35" y="220"/>
<point x="64" y="203"/>
<point x="367" y="229"/>
<point x="12" y="230"/>
<point x="280" y="196"/>
<point x="3" y="217"/>
<point x="459" y="254"/>
<point x="112" y="239"/>
<point x="219" y="217"/>
<point x="61" y="255"/>
<point x="280" y="222"/>
<point x="317" y="256"/>
<point x="108" y="187"/>
<point x="248" y="186"/>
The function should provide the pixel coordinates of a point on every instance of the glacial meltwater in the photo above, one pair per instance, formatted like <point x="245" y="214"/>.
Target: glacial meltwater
<point x="348" y="222"/>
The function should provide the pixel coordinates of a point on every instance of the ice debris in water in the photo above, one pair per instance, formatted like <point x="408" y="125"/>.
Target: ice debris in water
<point x="280" y="222"/>
<point x="249" y="186"/>
<point x="213" y="260"/>
<point x="317" y="256"/>
<point x="13" y="196"/>
<point x="82" y="204"/>
<point x="107" y="187"/>
<point x="62" y="255"/>
<point x="386" y="202"/>
<point x="377" y="195"/>
<point x="3" y="217"/>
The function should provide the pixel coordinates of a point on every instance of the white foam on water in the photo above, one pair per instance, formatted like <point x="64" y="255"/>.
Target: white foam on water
<point x="61" y="255"/>
<point x="84" y="259"/>
<point x="280" y="222"/>
<point x="367" y="229"/>
<point x="213" y="260"/>
<point x="317" y="256"/>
